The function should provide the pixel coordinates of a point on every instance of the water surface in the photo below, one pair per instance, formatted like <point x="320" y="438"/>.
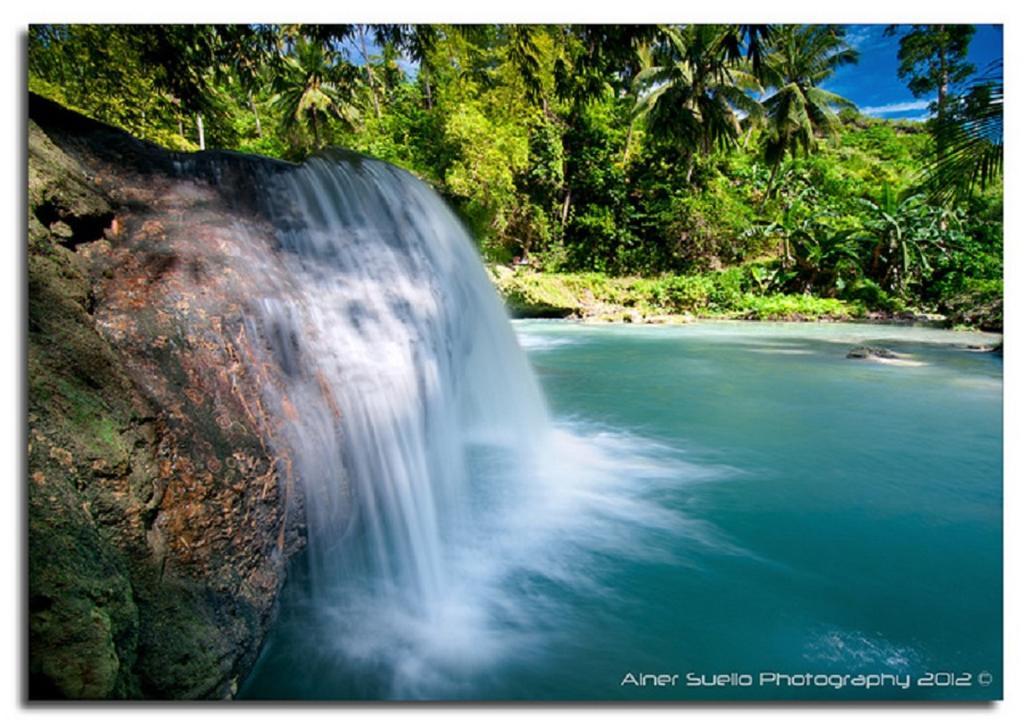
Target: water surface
<point x="715" y="498"/>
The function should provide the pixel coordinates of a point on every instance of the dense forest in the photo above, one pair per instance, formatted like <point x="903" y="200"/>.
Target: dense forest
<point x="699" y="168"/>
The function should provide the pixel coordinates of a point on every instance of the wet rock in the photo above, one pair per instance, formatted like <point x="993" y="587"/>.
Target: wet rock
<point x="996" y="349"/>
<point x="861" y="353"/>
<point x="162" y="507"/>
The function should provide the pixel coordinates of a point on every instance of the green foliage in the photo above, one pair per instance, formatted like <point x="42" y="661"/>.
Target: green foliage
<point x="100" y="71"/>
<point x="799" y="110"/>
<point x="872" y="296"/>
<point x="932" y="57"/>
<point x="313" y="86"/>
<point x="969" y="140"/>
<point x="798" y="307"/>
<point x="728" y="294"/>
<point x="692" y="91"/>
<point x="619" y="150"/>
<point x="489" y="157"/>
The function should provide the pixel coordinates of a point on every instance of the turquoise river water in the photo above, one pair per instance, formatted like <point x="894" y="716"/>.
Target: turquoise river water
<point x="757" y="517"/>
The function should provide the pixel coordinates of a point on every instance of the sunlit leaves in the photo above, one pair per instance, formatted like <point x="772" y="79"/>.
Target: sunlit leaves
<point x="798" y="110"/>
<point x="312" y="86"/>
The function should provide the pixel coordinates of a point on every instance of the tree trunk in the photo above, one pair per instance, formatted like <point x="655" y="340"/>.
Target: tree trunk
<point x="943" y="78"/>
<point x="256" y="114"/>
<point x="876" y="254"/>
<point x="202" y="135"/>
<point x="771" y="190"/>
<point x="369" y="75"/>
<point x="940" y="137"/>
<point x="426" y="87"/>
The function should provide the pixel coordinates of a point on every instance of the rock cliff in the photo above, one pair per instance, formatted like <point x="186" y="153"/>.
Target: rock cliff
<point x="162" y="508"/>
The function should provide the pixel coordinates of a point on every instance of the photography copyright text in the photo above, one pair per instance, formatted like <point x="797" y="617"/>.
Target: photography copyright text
<point x="810" y="680"/>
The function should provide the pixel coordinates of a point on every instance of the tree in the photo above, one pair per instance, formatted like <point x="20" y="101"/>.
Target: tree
<point x="313" y="85"/>
<point x="371" y="81"/>
<point x="597" y="59"/>
<point x="748" y="41"/>
<point x="827" y="259"/>
<point x="189" y="56"/>
<point x="693" y="93"/>
<point x="799" y="111"/>
<point x="102" y="71"/>
<point x="969" y="148"/>
<point x="418" y="43"/>
<point x="246" y="54"/>
<point x="933" y="58"/>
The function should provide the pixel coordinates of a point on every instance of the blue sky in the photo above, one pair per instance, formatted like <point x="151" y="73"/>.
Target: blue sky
<point x="873" y="84"/>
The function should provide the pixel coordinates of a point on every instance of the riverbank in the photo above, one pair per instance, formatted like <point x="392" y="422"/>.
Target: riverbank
<point x="732" y="294"/>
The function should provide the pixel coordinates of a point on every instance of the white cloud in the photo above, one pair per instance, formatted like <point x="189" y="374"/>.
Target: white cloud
<point x="857" y="37"/>
<point x="864" y="37"/>
<point x="900" y="107"/>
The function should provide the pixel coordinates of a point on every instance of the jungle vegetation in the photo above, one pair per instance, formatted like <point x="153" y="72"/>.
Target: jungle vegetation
<point x="673" y="153"/>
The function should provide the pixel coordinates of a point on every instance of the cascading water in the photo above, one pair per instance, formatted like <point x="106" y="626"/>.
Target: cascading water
<point x="399" y="358"/>
<point x="436" y="488"/>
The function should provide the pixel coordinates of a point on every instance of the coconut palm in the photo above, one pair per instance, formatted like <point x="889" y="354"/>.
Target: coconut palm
<point x="313" y="85"/>
<point x="693" y="92"/>
<point x="800" y="111"/>
<point x="969" y="139"/>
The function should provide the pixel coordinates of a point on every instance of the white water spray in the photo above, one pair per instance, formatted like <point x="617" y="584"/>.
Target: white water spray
<point x="435" y="484"/>
<point x="399" y="358"/>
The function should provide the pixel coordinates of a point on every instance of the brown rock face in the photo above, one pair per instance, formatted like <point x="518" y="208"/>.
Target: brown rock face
<point x="162" y="506"/>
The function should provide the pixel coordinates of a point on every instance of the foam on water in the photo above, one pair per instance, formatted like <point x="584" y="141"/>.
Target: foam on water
<point x="441" y="501"/>
<point x="460" y="540"/>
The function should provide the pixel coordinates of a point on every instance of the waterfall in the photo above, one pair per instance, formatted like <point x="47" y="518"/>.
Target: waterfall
<point x="444" y="509"/>
<point x="399" y="362"/>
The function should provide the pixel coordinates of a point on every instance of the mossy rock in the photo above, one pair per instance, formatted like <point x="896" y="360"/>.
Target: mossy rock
<point x="118" y="606"/>
<point x="83" y="621"/>
<point x="534" y="295"/>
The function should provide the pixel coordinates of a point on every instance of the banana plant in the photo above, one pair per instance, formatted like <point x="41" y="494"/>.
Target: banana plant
<point x="904" y="233"/>
<point x="827" y="258"/>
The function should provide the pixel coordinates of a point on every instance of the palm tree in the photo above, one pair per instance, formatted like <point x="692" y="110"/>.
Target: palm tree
<point x="969" y="148"/>
<point x="800" y="111"/>
<point x="417" y="43"/>
<point x="246" y="54"/>
<point x="694" y="92"/>
<point x="313" y="85"/>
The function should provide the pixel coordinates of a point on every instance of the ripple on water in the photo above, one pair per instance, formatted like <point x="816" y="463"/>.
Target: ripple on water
<point x="853" y="650"/>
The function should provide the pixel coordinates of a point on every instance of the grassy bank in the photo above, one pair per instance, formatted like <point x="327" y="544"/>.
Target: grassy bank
<point x="728" y="294"/>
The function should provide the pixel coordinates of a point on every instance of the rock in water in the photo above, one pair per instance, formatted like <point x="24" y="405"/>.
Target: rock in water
<point x="861" y="353"/>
